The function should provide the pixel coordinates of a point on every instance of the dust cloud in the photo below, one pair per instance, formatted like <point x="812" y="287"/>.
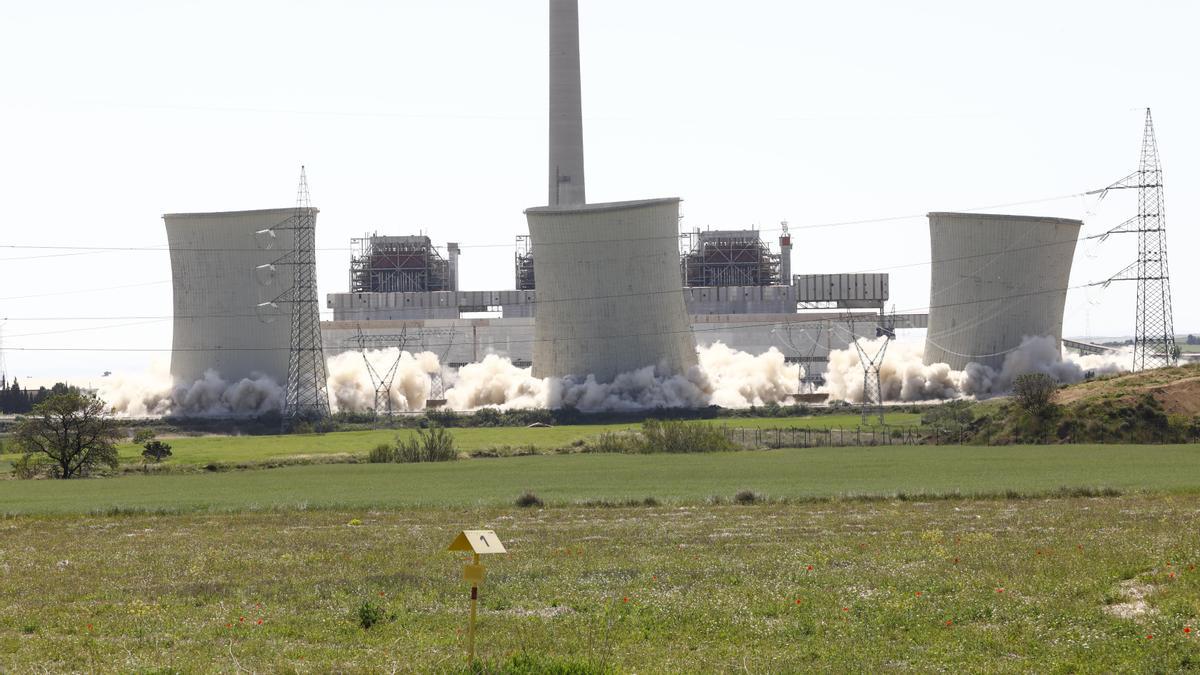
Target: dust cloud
<point x="905" y="377"/>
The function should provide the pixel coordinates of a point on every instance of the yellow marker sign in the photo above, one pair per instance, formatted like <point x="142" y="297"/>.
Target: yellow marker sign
<point x="478" y="542"/>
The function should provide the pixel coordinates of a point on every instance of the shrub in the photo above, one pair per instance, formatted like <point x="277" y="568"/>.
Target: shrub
<point x="31" y="466"/>
<point x="528" y="500"/>
<point x="381" y="454"/>
<point x="680" y="437"/>
<point x="156" y="450"/>
<point x="434" y="444"/>
<point x="1033" y="392"/>
<point x="746" y="497"/>
<point x="370" y="614"/>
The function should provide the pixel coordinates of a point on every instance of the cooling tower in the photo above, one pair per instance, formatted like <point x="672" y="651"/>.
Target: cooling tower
<point x="224" y="283"/>
<point x="608" y="297"/>
<point x="995" y="280"/>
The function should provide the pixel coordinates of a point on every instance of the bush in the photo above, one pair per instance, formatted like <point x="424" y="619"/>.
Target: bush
<point x="1033" y="392"/>
<point x="381" y="454"/>
<point x="434" y="444"/>
<point x="528" y="500"/>
<point x="370" y="614"/>
<point x="156" y="450"/>
<point x="31" y="466"/>
<point x="746" y="497"/>
<point x="680" y="437"/>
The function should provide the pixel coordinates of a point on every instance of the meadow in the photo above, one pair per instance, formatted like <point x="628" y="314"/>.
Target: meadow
<point x="1060" y="585"/>
<point x="234" y="449"/>
<point x="794" y="474"/>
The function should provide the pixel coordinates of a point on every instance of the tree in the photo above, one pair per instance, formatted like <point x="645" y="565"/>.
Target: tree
<point x="74" y="430"/>
<point x="1033" y="391"/>
<point x="153" y="449"/>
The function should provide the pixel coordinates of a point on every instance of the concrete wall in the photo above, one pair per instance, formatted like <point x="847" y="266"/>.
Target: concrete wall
<point x="995" y="280"/>
<point x="608" y="289"/>
<point x="217" y="291"/>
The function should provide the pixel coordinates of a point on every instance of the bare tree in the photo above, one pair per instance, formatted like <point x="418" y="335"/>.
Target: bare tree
<point x="74" y="430"/>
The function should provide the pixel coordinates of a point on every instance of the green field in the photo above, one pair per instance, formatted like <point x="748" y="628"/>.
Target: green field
<point x="233" y="449"/>
<point x="684" y="479"/>
<point x="952" y="585"/>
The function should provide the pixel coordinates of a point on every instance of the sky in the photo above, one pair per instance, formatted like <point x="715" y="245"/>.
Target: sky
<point x="431" y="117"/>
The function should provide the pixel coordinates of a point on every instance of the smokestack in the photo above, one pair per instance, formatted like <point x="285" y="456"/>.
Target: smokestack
<point x="566" y="106"/>
<point x="785" y="256"/>
<point x="452" y="250"/>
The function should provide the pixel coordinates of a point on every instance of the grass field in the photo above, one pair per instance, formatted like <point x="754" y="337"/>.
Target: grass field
<point x="207" y="449"/>
<point x="682" y="479"/>
<point x="958" y="585"/>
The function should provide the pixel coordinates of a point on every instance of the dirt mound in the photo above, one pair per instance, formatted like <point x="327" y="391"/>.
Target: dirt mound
<point x="1177" y="390"/>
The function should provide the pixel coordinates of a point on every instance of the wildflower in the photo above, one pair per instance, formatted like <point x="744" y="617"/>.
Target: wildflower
<point x="845" y="609"/>
<point x="260" y="622"/>
<point x="810" y="568"/>
<point x="1172" y="575"/>
<point x="1187" y="629"/>
<point x="89" y="626"/>
<point x="999" y="590"/>
<point x="626" y="599"/>
<point x="949" y="622"/>
<point x="381" y="594"/>
<point x="1149" y="637"/>
<point x="242" y="619"/>
<point x="798" y="601"/>
<point x="918" y="594"/>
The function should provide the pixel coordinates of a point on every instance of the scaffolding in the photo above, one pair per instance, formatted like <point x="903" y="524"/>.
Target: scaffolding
<point x="381" y="264"/>
<point x="524" y="263"/>
<point x="727" y="258"/>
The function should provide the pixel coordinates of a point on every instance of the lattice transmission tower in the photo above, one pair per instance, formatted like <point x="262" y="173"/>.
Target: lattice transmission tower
<point x="307" y="394"/>
<point x="872" y="402"/>
<point x="1154" y="338"/>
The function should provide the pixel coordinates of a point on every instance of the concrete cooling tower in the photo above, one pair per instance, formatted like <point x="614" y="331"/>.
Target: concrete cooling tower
<point x="224" y="283"/>
<point x="608" y="290"/>
<point x="995" y="280"/>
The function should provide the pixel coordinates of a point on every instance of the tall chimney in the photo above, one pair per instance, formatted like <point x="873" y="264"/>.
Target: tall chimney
<point x="566" y="106"/>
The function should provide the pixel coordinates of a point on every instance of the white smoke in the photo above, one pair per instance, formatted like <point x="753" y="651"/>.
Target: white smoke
<point x="904" y="376"/>
<point x="351" y="387"/>
<point x="724" y="377"/>
<point x="155" y="393"/>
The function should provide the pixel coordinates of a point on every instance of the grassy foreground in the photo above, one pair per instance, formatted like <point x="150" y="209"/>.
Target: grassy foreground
<point x="966" y="586"/>
<point x="681" y="479"/>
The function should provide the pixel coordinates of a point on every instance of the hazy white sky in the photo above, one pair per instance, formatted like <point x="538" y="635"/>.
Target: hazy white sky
<point x="431" y="116"/>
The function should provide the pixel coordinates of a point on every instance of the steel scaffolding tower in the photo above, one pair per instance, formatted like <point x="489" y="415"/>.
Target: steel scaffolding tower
<point x="1154" y="338"/>
<point x="307" y="394"/>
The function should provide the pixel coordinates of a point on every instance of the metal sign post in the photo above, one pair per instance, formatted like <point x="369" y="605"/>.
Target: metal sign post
<point x="478" y="542"/>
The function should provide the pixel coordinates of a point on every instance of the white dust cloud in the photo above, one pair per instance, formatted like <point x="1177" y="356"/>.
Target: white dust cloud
<point x="905" y="377"/>
<point x="156" y="394"/>
<point x="724" y="377"/>
<point x="351" y="387"/>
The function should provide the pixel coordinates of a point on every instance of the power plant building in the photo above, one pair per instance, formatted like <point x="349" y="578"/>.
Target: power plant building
<point x="227" y="276"/>
<point x="995" y="280"/>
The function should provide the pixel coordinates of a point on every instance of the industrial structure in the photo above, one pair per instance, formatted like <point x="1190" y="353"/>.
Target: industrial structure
<point x="382" y="264"/>
<point x="729" y="258"/>
<point x="995" y="280"/>
<point x="229" y="275"/>
<point x="1154" y="333"/>
<point x="307" y="392"/>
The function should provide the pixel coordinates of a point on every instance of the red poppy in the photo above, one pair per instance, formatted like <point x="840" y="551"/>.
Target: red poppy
<point x="229" y="625"/>
<point x="1187" y="629"/>
<point x="845" y="609"/>
<point x="626" y="599"/>
<point x="1172" y="575"/>
<point x="89" y="626"/>
<point x="654" y="578"/>
<point x="381" y="594"/>
<point x="798" y="601"/>
<point x="918" y="594"/>
<point x="260" y="622"/>
<point x="810" y="568"/>
<point x="242" y="620"/>
<point x="1149" y="637"/>
<point x="999" y="590"/>
<point x="949" y="622"/>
